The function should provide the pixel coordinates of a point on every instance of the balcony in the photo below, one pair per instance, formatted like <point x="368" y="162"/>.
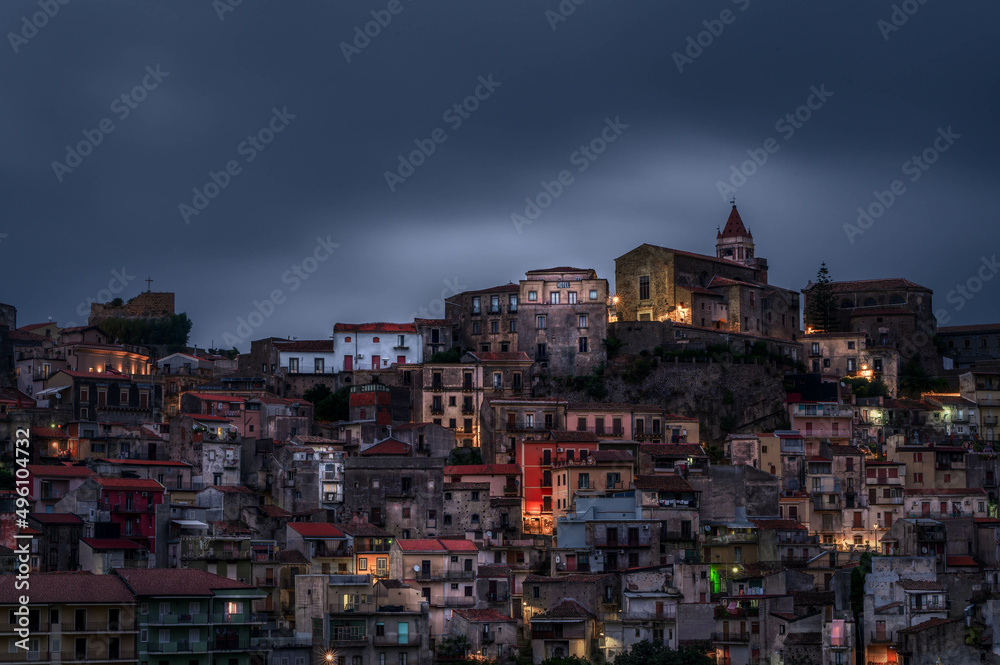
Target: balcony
<point x="98" y="653"/>
<point x="457" y="601"/>
<point x="446" y="576"/>
<point x="238" y="618"/>
<point x="181" y="646"/>
<point x="730" y="538"/>
<point x="120" y="626"/>
<point x="530" y="426"/>
<point x="677" y="536"/>
<point x="643" y="539"/>
<point x="232" y="643"/>
<point x="498" y="597"/>
<point x="396" y="640"/>
<point x="606" y="432"/>
<point x="732" y="638"/>
<point x="929" y="607"/>
<point x="739" y="612"/>
<point x="172" y="619"/>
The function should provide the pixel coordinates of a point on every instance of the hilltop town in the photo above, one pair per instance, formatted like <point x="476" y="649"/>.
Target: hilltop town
<point x="556" y="470"/>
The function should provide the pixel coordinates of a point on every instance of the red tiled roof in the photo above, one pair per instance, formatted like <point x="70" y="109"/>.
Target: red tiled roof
<point x="484" y="616"/>
<point x="55" y="518"/>
<point x="434" y="322"/>
<point x="436" y="545"/>
<point x="71" y="588"/>
<point x="316" y="530"/>
<point x="36" y="326"/>
<point x="48" y="471"/>
<point x="209" y="397"/>
<point x="818" y="458"/>
<point x="952" y="399"/>
<point x="112" y="544"/>
<point x="567" y="609"/>
<point x="482" y="470"/>
<point x="375" y="327"/>
<point x="25" y="336"/>
<point x="665" y="483"/>
<point x="274" y="511"/>
<point x="502" y="356"/>
<point x="874" y="285"/>
<point x="962" y="561"/>
<point x="932" y="623"/>
<point x="129" y="484"/>
<point x="986" y="520"/>
<point x="388" y="447"/>
<point x="675" y="449"/>
<point x="611" y="456"/>
<point x="977" y="327"/>
<point x="734" y="226"/>
<point x="173" y="581"/>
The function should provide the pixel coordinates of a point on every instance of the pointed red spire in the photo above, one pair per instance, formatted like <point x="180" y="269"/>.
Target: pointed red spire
<point x="734" y="225"/>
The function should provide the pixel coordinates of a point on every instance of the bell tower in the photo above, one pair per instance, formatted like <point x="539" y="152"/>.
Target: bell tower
<point x="735" y="242"/>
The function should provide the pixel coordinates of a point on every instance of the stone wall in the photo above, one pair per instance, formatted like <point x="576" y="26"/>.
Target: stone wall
<point x="146" y="305"/>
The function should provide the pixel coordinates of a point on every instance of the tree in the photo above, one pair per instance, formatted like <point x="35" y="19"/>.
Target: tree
<point x="464" y="456"/>
<point x="225" y="353"/>
<point x="648" y="653"/>
<point x="329" y="406"/>
<point x="612" y="345"/>
<point x="914" y="379"/>
<point x="822" y="303"/>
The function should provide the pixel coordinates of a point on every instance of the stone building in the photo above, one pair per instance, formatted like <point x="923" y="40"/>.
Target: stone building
<point x="562" y="320"/>
<point x="852" y="354"/>
<point x="891" y="313"/>
<point x="508" y="422"/>
<point x="969" y="345"/>
<point x="728" y="292"/>
<point x="401" y="494"/>
<point x="492" y="635"/>
<point x="485" y="320"/>
<point x="466" y="510"/>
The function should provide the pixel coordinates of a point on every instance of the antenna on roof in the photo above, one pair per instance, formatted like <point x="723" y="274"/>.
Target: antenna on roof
<point x="733" y="201"/>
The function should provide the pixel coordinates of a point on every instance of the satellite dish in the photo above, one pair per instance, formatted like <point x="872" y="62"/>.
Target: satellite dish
<point x="489" y="534"/>
<point x="416" y="568"/>
<point x="708" y="529"/>
<point x="923" y="549"/>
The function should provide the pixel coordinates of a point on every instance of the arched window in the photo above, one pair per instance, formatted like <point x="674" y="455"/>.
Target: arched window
<point x="846" y="303"/>
<point x="896" y="300"/>
<point x="869" y="302"/>
<point x="375" y="340"/>
<point x="347" y="339"/>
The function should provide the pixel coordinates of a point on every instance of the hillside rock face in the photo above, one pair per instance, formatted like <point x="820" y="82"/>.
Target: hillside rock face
<point x="725" y="398"/>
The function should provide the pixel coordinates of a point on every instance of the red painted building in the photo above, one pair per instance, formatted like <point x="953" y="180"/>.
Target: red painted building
<point x="537" y="460"/>
<point x="131" y="504"/>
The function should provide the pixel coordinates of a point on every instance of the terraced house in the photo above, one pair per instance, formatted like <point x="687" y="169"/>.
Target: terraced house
<point x="73" y="617"/>
<point x="189" y="617"/>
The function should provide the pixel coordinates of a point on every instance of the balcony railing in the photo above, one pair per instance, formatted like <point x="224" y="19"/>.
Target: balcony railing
<point x="641" y="540"/>
<point x="731" y="637"/>
<point x="525" y="426"/>
<point x="396" y="640"/>
<point x="181" y="646"/>
<point x="174" y="619"/>
<point x="120" y="626"/>
<point x="446" y="575"/>
<point x="726" y="613"/>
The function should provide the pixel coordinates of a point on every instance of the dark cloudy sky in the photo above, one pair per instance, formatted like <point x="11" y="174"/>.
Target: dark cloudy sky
<point x="449" y="225"/>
